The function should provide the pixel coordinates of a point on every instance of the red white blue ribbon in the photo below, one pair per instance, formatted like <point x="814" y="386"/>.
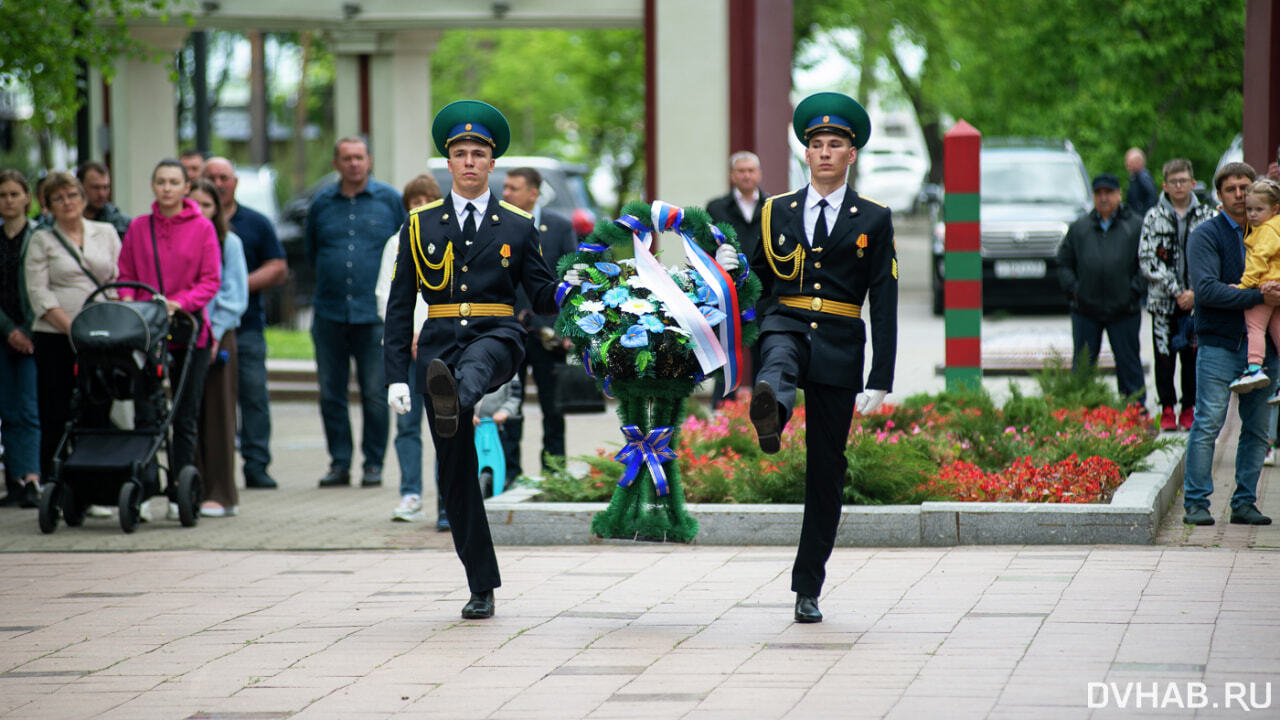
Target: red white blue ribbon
<point x="706" y="348"/>
<point x="646" y="449"/>
<point x="721" y="286"/>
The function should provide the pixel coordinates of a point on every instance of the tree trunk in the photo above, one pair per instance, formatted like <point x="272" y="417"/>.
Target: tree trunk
<point x="300" y="117"/>
<point x="258" y="140"/>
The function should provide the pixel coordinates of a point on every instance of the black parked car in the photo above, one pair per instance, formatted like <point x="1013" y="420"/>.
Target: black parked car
<point x="1031" y="192"/>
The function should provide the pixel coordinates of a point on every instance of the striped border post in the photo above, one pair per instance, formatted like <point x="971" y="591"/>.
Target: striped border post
<point x="962" y="288"/>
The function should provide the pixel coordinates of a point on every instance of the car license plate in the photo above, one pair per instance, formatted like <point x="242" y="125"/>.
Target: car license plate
<point x="1009" y="269"/>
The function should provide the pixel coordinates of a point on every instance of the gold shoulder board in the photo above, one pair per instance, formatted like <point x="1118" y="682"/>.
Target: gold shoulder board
<point x="428" y="206"/>
<point x="515" y="209"/>
<point x="873" y="201"/>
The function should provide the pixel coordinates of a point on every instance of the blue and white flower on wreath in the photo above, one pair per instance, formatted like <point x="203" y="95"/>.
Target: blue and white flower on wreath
<point x="635" y="337"/>
<point x="616" y="296"/>
<point x="636" y="306"/>
<point x="591" y="306"/>
<point x="608" y="268"/>
<point x="652" y="324"/>
<point x="591" y="324"/>
<point x="713" y="315"/>
<point x="635" y="282"/>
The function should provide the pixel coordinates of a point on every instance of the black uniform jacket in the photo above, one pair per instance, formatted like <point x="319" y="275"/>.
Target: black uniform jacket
<point x="557" y="239"/>
<point x="725" y="210"/>
<point x="858" y="260"/>
<point x="476" y="274"/>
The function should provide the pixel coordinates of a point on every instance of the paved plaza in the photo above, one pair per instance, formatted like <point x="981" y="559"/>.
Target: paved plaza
<point x="313" y="604"/>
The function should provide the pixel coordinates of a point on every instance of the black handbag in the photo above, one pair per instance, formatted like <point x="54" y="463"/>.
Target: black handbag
<point x="576" y="391"/>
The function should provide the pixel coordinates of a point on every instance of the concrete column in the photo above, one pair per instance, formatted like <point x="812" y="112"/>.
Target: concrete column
<point x="401" y="105"/>
<point x="691" y="72"/>
<point x="143" y="128"/>
<point x="398" y="97"/>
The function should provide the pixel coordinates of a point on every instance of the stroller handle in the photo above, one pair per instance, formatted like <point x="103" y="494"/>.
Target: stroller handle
<point x="113" y="285"/>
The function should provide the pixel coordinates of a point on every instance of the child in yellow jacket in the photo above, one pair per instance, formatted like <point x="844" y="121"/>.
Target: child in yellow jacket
<point x="1262" y="264"/>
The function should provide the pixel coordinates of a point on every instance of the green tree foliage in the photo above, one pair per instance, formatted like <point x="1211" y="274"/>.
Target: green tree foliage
<point x="1161" y="75"/>
<point x="42" y="43"/>
<point x="577" y="95"/>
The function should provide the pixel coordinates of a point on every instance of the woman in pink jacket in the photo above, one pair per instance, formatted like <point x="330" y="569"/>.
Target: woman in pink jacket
<point x="177" y="241"/>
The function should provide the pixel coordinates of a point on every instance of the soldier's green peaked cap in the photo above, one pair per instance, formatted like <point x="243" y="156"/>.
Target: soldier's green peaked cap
<point x="471" y="120"/>
<point x="831" y="112"/>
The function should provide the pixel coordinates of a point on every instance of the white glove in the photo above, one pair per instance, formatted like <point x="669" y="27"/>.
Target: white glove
<point x="398" y="397"/>
<point x="572" y="277"/>
<point x="727" y="257"/>
<point x="868" y="401"/>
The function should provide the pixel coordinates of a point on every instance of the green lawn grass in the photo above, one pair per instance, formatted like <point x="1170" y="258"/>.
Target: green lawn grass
<point x="288" y="344"/>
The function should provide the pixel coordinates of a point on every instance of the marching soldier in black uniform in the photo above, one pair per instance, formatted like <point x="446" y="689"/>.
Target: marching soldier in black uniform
<point x="823" y="249"/>
<point x="466" y="253"/>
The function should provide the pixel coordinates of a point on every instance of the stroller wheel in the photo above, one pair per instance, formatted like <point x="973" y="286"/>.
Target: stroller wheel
<point x="189" y="496"/>
<point x="50" y="500"/>
<point x="72" y="511"/>
<point x="486" y="483"/>
<point x="130" y="506"/>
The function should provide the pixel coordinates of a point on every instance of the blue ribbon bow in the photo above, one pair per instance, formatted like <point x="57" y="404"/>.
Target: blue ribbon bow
<point x="646" y="449"/>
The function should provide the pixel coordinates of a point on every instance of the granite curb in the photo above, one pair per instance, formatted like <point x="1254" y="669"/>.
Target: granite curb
<point x="1132" y="517"/>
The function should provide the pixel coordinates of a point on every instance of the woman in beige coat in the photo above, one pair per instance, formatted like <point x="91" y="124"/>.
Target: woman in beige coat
<point x="65" y="263"/>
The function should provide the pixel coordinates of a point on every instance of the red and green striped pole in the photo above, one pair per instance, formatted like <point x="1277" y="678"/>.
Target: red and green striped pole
<point x="963" y="260"/>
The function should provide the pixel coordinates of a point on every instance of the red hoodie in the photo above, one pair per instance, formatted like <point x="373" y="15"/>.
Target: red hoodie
<point x="190" y="260"/>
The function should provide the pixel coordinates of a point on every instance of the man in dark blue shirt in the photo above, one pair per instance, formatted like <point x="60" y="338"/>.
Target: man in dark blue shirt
<point x="265" y="259"/>
<point x="1142" y="189"/>
<point x="347" y="226"/>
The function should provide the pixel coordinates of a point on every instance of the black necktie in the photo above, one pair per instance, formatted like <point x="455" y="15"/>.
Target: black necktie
<point x="820" y="227"/>
<point x="469" y="227"/>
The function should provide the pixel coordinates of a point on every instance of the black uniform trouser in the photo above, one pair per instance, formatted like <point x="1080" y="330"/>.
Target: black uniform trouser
<point x="481" y="365"/>
<point x="828" y="415"/>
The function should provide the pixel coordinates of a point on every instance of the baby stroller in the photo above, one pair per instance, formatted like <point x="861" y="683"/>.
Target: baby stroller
<point x="122" y="353"/>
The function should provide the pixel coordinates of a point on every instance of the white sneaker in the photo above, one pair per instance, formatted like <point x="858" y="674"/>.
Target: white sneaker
<point x="1270" y="459"/>
<point x="144" y="511"/>
<point x="173" y="513"/>
<point x="409" y="509"/>
<point x="99" y="511"/>
<point x="216" y="510"/>
<point x="1250" y="381"/>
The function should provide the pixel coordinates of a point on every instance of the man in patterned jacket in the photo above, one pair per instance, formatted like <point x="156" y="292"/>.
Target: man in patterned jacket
<point x="1162" y="255"/>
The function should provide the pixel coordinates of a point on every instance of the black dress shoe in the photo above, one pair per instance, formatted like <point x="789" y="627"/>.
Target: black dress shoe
<point x="1248" y="515"/>
<point x="443" y="391"/>
<point x="372" y="477"/>
<point x="1198" y="515"/>
<point x="336" y="477"/>
<point x="764" y="416"/>
<point x="442" y="521"/>
<point x="479" y="607"/>
<point x="807" y="609"/>
<point x="260" y="481"/>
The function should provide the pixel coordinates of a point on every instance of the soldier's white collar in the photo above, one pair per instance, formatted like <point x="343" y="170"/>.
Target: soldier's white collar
<point x="835" y="199"/>
<point x="460" y="207"/>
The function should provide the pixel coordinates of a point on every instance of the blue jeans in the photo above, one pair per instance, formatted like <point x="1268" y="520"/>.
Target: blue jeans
<point x="255" y="407"/>
<point x="1216" y="367"/>
<point x="1122" y="334"/>
<point x="336" y="343"/>
<point x="20" y="413"/>
<point x="409" y="443"/>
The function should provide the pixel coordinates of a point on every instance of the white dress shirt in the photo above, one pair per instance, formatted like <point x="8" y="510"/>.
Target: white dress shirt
<point x="834" y="200"/>
<point x="746" y="204"/>
<point x="460" y="208"/>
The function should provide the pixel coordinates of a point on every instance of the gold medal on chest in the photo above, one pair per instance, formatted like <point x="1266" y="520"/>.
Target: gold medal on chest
<point x="859" y="252"/>
<point x="505" y="262"/>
